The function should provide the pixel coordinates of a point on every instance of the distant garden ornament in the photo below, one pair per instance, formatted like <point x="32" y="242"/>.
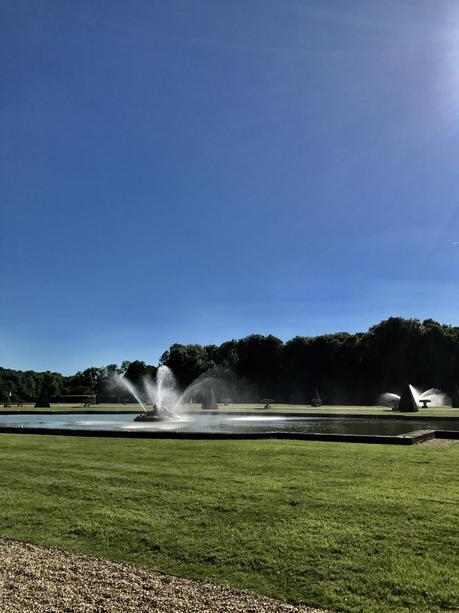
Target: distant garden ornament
<point x="407" y="403"/>
<point x="42" y="403"/>
<point x="209" y="402"/>
<point x="43" y="399"/>
<point x="316" y="400"/>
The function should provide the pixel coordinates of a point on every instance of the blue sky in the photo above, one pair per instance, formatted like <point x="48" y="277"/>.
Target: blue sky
<point x="198" y="171"/>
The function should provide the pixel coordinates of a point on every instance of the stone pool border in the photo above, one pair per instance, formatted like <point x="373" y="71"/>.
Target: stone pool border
<point x="409" y="438"/>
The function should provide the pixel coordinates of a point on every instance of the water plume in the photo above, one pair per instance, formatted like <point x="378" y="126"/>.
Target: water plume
<point x="163" y="391"/>
<point x="124" y="382"/>
<point x="437" y="397"/>
<point x="388" y="399"/>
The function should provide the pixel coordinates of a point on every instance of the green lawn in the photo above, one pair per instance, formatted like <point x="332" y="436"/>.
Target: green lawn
<point x="342" y="526"/>
<point x="258" y="408"/>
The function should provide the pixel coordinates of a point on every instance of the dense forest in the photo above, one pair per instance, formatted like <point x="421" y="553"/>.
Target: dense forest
<point x="345" y="368"/>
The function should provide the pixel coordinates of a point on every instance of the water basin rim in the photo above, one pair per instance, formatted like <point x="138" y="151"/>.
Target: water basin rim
<point x="408" y="438"/>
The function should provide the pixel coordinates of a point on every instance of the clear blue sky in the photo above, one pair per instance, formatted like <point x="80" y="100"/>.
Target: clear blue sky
<point x="195" y="171"/>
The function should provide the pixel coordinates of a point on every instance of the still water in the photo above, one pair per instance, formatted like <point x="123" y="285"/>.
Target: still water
<point x="231" y="424"/>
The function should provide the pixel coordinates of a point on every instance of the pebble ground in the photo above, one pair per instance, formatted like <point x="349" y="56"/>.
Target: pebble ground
<point x="37" y="579"/>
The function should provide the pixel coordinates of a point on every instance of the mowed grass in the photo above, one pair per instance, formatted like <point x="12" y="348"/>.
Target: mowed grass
<point x="257" y="408"/>
<point x="343" y="526"/>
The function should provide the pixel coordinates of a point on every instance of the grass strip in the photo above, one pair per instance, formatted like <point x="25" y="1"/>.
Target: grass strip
<point x="353" y="528"/>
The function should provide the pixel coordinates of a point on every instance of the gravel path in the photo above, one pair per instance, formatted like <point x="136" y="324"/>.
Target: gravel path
<point x="37" y="579"/>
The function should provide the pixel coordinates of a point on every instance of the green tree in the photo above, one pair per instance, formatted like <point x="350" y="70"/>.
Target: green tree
<point x="189" y="361"/>
<point x="137" y="370"/>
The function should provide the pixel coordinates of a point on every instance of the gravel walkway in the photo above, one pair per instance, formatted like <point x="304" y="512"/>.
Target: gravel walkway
<point x="38" y="579"/>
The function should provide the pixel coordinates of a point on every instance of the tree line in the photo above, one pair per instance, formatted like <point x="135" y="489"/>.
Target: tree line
<point x="344" y="368"/>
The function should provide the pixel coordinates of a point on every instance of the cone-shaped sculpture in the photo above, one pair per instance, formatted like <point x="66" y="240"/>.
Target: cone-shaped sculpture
<point x="42" y="403"/>
<point x="407" y="403"/>
<point x="316" y="400"/>
<point x="455" y="398"/>
<point x="209" y="402"/>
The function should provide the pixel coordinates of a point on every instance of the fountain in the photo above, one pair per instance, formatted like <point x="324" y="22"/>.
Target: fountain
<point x="163" y="395"/>
<point x="412" y="398"/>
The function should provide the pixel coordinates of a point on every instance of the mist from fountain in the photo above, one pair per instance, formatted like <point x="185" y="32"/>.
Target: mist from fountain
<point x="205" y="386"/>
<point x="437" y="397"/>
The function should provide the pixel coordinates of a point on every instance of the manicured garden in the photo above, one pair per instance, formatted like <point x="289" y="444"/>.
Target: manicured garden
<point x="342" y="526"/>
